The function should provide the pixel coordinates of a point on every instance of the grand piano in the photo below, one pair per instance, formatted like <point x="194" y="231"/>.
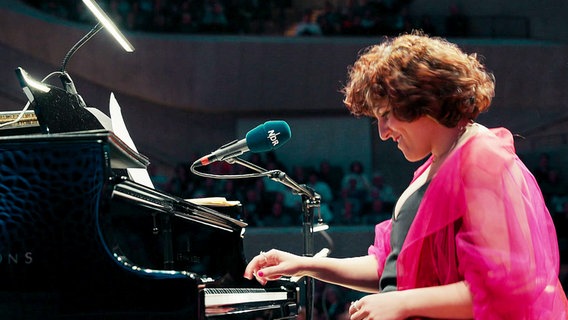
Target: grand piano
<point x="80" y="240"/>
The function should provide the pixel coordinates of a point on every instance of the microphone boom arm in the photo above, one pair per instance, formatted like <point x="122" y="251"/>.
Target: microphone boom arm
<point x="282" y="177"/>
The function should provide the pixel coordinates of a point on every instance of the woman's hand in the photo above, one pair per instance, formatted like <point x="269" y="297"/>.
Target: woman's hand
<point x="450" y="301"/>
<point x="273" y="265"/>
<point x="383" y="306"/>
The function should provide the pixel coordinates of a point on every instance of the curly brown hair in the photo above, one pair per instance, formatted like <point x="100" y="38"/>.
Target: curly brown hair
<point x="415" y="75"/>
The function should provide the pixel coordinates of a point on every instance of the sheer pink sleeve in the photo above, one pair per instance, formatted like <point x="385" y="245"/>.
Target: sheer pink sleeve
<point x="381" y="247"/>
<point x="483" y="220"/>
<point x="507" y="248"/>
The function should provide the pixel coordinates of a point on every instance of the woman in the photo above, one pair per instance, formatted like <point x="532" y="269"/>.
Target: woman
<point x="471" y="237"/>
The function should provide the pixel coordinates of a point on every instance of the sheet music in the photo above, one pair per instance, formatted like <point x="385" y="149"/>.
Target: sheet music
<point x="214" y="201"/>
<point x="119" y="128"/>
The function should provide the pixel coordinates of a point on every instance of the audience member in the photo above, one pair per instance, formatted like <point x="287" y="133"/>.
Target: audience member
<point x="273" y="163"/>
<point x="355" y="186"/>
<point x="188" y="22"/>
<point x="375" y="213"/>
<point x="277" y="217"/>
<point x="158" y="178"/>
<point x="329" y="20"/>
<point x="331" y="175"/>
<point x="239" y="15"/>
<point x="214" y="19"/>
<point x="348" y="212"/>
<point x="229" y="190"/>
<point x="368" y="23"/>
<point x="307" y="26"/>
<point x="261" y="16"/>
<point x="555" y="191"/>
<point x="554" y="188"/>
<point x="253" y="207"/>
<point x="180" y="184"/>
<point x="324" y="190"/>
<point x="206" y="189"/>
<point x="542" y="168"/>
<point x="381" y="190"/>
<point x="457" y="23"/>
<point x="351" y="18"/>
<point x="357" y="173"/>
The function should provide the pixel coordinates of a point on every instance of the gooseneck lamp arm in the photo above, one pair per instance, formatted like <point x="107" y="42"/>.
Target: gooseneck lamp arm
<point x="66" y="80"/>
<point x="79" y="44"/>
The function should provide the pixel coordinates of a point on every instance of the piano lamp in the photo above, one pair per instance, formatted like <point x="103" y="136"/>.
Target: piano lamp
<point x="104" y="22"/>
<point x="31" y="82"/>
<point x="108" y="25"/>
<point x="63" y="110"/>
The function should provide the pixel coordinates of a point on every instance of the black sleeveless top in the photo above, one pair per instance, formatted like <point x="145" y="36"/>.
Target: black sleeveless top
<point x="400" y="226"/>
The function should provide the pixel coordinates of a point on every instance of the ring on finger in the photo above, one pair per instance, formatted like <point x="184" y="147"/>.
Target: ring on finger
<point x="354" y="303"/>
<point x="263" y="254"/>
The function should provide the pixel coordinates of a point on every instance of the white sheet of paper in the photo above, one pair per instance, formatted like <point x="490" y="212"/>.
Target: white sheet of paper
<point x="138" y="175"/>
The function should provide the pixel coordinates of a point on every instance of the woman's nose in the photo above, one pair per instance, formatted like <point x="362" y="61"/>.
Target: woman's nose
<point x="384" y="131"/>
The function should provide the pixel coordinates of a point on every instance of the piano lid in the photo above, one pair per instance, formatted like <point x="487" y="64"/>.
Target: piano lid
<point x="121" y="156"/>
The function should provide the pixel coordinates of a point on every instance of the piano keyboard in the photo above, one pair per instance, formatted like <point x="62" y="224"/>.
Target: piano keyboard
<point x="231" y="296"/>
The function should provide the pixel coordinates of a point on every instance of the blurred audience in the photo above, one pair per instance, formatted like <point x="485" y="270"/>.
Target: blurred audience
<point x="267" y="17"/>
<point x="346" y="199"/>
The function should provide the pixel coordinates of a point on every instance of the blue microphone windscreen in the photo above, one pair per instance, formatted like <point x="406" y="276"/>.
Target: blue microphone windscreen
<point x="268" y="136"/>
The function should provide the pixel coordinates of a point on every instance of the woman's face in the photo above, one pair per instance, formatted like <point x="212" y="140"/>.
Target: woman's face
<point x="415" y="139"/>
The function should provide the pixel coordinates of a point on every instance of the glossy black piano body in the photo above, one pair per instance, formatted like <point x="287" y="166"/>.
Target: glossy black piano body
<point x="77" y="241"/>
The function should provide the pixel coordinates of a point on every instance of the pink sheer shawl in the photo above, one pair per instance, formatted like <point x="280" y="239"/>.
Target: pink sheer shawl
<point x="483" y="220"/>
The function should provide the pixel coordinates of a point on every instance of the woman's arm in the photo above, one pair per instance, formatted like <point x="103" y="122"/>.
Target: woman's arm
<point x="359" y="273"/>
<point x="452" y="301"/>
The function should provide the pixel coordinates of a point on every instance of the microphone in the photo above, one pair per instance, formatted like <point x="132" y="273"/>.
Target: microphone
<point x="268" y="136"/>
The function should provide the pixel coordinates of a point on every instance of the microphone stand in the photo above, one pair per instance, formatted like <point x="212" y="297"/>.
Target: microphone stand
<point x="310" y="201"/>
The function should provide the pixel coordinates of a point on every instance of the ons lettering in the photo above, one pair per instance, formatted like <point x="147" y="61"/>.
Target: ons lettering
<point x="16" y="258"/>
